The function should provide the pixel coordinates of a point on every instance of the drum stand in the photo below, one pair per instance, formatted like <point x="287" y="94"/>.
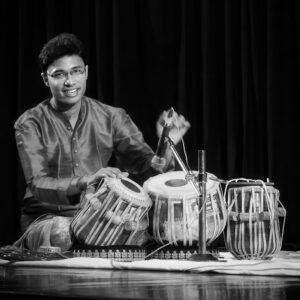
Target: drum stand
<point x="199" y="185"/>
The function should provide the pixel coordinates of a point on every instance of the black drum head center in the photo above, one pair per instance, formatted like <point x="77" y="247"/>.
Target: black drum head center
<point x="130" y="186"/>
<point x="175" y="182"/>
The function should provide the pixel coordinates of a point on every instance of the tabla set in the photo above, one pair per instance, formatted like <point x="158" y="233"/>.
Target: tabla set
<point x="122" y="213"/>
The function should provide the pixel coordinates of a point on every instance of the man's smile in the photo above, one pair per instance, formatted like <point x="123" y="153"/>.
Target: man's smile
<point x="71" y="92"/>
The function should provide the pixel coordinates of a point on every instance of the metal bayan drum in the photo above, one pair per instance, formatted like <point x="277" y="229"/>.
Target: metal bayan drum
<point x="174" y="215"/>
<point x="254" y="230"/>
<point x="116" y="214"/>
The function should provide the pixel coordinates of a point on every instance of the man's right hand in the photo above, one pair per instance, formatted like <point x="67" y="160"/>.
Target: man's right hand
<point x="102" y="173"/>
<point x="77" y="185"/>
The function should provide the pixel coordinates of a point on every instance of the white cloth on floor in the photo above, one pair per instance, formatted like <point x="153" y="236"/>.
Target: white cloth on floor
<point x="284" y="264"/>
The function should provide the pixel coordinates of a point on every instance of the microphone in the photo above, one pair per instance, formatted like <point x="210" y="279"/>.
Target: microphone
<point x="158" y="161"/>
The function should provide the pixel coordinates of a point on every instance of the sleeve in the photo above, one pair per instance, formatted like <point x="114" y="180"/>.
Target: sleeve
<point x="32" y="154"/>
<point x="133" y="153"/>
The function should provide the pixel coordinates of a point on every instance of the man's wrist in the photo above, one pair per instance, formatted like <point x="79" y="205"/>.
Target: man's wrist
<point x="77" y="185"/>
<point x="82" y="182"/>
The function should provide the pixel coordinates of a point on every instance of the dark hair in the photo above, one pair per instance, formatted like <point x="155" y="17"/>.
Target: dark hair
<point x="59" y="46"/>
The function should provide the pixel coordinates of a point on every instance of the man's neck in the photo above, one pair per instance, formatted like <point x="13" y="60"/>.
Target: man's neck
<point x="71" y="112"/>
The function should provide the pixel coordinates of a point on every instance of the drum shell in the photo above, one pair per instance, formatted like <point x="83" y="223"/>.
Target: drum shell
<point x="174" y="214"/>
<point x="254" y="228"/>
<point x="111" y="217"/>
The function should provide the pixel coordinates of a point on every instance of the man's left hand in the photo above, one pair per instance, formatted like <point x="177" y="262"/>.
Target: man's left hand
<point x="179" y="126"/>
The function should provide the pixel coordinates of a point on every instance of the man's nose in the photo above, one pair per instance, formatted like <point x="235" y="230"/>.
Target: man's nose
<point x="69" y="79"/>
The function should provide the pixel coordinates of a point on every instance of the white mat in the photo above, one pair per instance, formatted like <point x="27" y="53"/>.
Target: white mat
<point x="284" y="264"/>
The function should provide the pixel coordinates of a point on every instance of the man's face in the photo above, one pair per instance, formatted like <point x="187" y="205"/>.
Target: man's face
<point x="66" y="77"/>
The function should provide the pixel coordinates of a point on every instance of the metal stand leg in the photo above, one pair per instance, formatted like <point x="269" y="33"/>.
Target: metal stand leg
<point x="202" y="255"/>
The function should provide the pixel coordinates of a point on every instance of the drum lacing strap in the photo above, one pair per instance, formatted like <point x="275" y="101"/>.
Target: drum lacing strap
<point x="133" y="233"/>
<point x="249" y="180"/>
<point x="186" y="213"/>
<point x="171" y="231"/>
<point x="156" y="220"/>
<point x="79" y="227"/>
<point x="269" y="201"/>
<point x="115" y="206"/>
<point x="217" y="221"/>
<point x="154" y="251"/>
<point x="272" y="212"/>
<point x="98" y="189"/>
<point x="159" y="237"/>
<point x="114" y="235"/>
<point x="230" y="181"/>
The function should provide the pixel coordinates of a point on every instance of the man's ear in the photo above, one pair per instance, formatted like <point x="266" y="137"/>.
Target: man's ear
<point x="45" y="79"/>
<point x="86" y="72"/>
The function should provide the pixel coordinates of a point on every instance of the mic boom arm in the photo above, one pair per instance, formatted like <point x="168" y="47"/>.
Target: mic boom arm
<point x="189" y="175"/>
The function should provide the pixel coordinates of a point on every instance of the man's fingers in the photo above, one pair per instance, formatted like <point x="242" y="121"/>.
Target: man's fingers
<point x="111" y="172"/>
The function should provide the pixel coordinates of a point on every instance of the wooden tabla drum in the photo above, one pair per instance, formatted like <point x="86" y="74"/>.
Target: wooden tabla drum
<point x="116" y="214"/>
<point x="254" y="230"/>
<point x="174" y="215"/>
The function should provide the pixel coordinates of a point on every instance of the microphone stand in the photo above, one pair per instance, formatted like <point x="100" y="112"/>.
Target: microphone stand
<point x="202" y="254"/>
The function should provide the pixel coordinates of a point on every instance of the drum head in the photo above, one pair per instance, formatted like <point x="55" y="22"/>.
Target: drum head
<point x="129" y="190"/>
<point x="173" y="184"/>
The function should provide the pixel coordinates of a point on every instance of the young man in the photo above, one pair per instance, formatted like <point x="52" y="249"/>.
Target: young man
<point x="65" y="144"/>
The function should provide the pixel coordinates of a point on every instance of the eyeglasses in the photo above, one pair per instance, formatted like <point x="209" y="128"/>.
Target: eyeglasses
<point x="74" y="73"/>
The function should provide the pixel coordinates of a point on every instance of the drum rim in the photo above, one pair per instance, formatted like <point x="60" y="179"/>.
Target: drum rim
<point x="250" y="184"/>
<point x="174" y="192"/>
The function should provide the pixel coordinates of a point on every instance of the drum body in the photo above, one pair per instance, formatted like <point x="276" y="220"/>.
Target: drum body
<point x="116" y="214"/>
<point x="254" y="230"/>
<point x="174" y="217"/>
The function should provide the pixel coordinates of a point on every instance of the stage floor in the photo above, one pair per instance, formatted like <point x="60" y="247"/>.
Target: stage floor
<point x="62" y="283"/>
<point x="172" y="279"/>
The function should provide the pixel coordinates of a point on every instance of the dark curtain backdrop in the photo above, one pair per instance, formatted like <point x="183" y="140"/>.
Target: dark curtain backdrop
<point x="230" y="67"/>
